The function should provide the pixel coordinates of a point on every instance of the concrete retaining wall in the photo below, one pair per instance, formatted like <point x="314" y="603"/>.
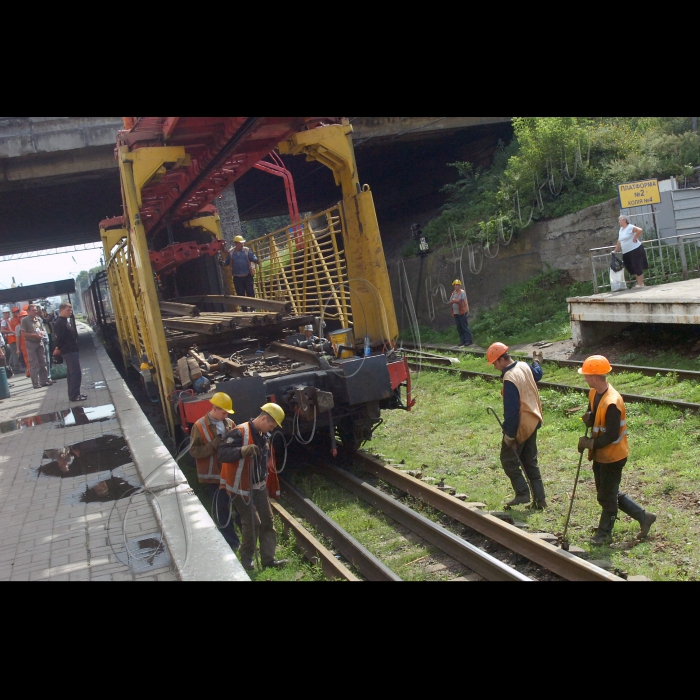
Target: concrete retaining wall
<point x="562" y="243"/>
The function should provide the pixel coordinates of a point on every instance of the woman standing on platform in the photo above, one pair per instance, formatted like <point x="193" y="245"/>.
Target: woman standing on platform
<point x="633" y="254"/>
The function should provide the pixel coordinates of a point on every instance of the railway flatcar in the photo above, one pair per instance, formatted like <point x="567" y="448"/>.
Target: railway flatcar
<point x="319" y="336"/>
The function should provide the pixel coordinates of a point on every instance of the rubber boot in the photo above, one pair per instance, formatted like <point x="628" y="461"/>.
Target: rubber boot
<point x="520" y="500"/>
<point x="539" y="496"/>
<point x="605" y="528"/>
<point x="634" y="510"/>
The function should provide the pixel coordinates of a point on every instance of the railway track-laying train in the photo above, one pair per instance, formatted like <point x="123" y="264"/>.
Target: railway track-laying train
<point x="171" y="308"/>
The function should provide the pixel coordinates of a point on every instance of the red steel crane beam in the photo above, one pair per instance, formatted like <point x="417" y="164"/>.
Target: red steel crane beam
<point x="221" y="149"/>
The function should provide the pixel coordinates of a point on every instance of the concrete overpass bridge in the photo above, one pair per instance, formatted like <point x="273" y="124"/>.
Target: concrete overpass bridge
<point x="58" y="176"/>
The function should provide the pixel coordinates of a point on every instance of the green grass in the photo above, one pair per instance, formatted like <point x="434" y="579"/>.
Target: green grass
<point x="449" y="435"/>
<point x="663" y="387"/>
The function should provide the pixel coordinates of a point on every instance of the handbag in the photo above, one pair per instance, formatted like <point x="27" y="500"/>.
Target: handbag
<point x="616" y="265"/>
<point x="59" y="372"/>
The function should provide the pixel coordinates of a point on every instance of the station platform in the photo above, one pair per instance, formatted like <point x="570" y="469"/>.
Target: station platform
<point x="88" y="491"/>
<point x="602" y="315"/>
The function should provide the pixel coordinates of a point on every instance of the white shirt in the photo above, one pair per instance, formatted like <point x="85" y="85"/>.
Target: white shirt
<point x="627" y="239"/>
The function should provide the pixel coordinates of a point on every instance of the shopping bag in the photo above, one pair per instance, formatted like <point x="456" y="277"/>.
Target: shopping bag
<point x="59" y="372"/>
<point x="617" y="281"/>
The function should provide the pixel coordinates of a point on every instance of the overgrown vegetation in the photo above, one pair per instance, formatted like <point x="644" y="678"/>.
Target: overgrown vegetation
<point x="558" y="165"/>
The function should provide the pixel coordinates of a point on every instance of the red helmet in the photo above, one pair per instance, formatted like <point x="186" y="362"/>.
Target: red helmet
<point x="496" y="352"/>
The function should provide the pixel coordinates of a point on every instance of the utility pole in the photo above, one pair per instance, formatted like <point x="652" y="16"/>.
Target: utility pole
<point x="227" y="206"/>
<point x="695" y="125"/>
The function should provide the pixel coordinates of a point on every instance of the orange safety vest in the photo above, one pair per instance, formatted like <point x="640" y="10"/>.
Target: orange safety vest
<point x="209" y="470"/>
<point x="619" y="449"/>
<point x="463" y="305"/>
<point x="13" y="323"/>
<point x="235" y="477"/>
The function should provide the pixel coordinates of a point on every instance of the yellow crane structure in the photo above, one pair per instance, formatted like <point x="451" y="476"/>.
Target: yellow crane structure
<point x="331" y="265"/>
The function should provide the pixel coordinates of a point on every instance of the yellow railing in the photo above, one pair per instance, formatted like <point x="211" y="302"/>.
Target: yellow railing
<point x="306" y="265"/>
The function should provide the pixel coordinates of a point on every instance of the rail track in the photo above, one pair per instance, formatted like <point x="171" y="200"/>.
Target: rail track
<point x="681" y="374"/>
<point x="435" y="364"/>
<point x="535" y="550"/>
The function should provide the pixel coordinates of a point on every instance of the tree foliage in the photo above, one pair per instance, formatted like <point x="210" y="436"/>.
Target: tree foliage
<point x="558" y="165"/>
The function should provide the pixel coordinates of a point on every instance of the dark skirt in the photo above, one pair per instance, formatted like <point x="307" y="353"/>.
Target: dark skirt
<point x="636" y="261"/>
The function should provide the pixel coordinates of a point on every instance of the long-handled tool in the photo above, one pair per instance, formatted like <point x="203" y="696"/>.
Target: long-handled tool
<point x="565" y="544"/>
<point x="515" y="452"/>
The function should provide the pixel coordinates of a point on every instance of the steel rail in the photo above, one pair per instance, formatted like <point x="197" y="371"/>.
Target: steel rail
<point x="312" y="549"/>
<point x="551" y="558"/>
<point x="360" y="557"/>
<point x="683" y="374"/>
<point x="631" y="398"/>
<point x="462" y="551"/>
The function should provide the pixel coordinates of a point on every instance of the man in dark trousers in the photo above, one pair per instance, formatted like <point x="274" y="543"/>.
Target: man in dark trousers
<point x="523" y="418"/>
<point x="249" y="475"/>
<point x="66" y="342"/>
<point x="608" y="449"/>
<point x="460" y="311"/>
<point x="240" y="259"/>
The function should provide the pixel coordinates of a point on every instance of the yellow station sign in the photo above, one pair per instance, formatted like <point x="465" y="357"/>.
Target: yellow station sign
<point x="639" y="194"/>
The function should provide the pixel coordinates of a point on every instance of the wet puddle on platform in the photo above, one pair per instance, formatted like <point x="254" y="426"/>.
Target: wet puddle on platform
<point x="62" y="419"/>
<point x="111" y="489"/>
<point x="101" y="454"/>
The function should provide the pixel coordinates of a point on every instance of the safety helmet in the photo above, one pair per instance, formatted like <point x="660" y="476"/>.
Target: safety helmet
<point x="223" y="401"/>
<point x="239" y="239"/>
<point x="456" y="282"/>
<point x="26" y="307"/>
<point x="309" y="328"/>
<point x="275" y="412"/>
<point x="596" y="366"/>
<point x="22" y="314"/>
<point x="15" y="309"/>
<point x="5" y="310"/>
<point x="496" y="352"/>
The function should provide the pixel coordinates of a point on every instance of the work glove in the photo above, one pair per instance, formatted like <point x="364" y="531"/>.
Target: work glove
<point x="538" y="357"/>
<point x="588" y="419"/>
<point x="510" y="442"/>
<point x="585" y="443"/>
<point x="250" y="451"/>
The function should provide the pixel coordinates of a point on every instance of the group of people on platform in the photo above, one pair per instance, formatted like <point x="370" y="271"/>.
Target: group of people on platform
<point x="31" y="338"/>
<point x="237" y="465"/>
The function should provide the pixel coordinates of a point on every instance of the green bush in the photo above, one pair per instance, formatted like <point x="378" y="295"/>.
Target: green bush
<point x="556" y="166"/>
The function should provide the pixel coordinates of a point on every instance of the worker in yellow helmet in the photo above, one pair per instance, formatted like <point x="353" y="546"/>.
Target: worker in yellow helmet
<point x="208" y="434"/>
<point x="522" y="419"/>
<point x="460" y="311"/>
<point x="249" y="475"/>
<point x="608" y="449"/>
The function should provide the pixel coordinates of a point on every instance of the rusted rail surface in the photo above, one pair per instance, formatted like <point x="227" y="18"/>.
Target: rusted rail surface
<point x="630" y="398"/>
<point x="467" y="554"/>
<point x="360" y="557"/>
<point x="312" y="549"/>
<point x="551" y="558"/>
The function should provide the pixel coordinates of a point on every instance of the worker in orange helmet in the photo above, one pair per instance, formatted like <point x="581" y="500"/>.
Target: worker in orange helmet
<point x="523" y="418"/>
<point x="608" y="449"/>
<point x="207" y="436"/>
<point x="249" y="475"/>
<point x="460" y="311"/>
